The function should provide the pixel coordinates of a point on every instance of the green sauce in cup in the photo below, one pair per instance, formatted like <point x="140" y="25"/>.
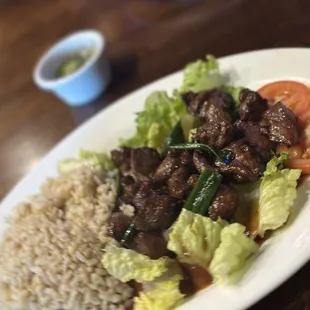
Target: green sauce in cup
<point x="74" y="62"/>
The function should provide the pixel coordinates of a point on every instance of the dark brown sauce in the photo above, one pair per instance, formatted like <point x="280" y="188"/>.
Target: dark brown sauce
<point x="195" y="279"/>
<point x="303" y="178"/>
<point x="248" y="216"/>
<point x="137" y="288"/>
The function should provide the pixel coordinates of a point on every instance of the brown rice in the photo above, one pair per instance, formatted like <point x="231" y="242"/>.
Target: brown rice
<point x="50" y="256"/>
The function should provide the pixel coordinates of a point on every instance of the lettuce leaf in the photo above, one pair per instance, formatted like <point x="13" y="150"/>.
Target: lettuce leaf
<point x="191" y="134"/>
<point x="194" y="238"/>
<point x="277" y="194"/>
<point x="160" y="277"/>
<point x="164" y="296"/>
<point x="163" y="293"/>
<point x="156" y="121"/>
<point x="276" y="163"/>
<point x="202" y="75"/>
<point x="127" y="265"/>
<point x="230" y="258"/>
<point x="189" y="123"/>
<point x="103" y="159"/>
<point x="235" y="93"/>
<point x="86" y="158"/>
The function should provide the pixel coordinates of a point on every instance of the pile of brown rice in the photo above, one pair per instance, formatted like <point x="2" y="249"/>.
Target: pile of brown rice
<point x="50" y="256"/>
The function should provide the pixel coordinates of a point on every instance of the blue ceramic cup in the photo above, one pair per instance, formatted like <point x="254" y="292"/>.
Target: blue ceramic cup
<point x="85" y="84"/>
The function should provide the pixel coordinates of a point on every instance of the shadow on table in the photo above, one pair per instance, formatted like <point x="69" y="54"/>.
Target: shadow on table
<point x="122" y="69"/>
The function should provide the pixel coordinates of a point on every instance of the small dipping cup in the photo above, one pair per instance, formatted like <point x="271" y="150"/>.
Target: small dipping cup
<point x="85" y="84"/>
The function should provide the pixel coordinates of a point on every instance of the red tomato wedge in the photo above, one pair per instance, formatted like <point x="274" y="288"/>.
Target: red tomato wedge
<point x="303" y="164"/>
<point x="295" y="95"/>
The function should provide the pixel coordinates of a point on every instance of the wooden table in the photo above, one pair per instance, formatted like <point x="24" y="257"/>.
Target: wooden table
<point x="147" y="40"/>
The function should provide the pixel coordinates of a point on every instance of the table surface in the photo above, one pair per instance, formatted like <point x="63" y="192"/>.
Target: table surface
<point x="146" y="40"/>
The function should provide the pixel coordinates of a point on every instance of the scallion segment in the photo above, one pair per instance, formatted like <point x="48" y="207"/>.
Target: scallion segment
<point x="225" y="156"/>
<point x="129" y="234"/>
<point x="175" y="137"/>
<point x="201" y="196"/>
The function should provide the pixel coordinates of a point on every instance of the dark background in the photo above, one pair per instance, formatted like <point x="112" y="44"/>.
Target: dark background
<point x="146" y="40"/>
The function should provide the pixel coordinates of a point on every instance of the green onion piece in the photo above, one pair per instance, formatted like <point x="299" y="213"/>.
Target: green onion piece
<point x="225" y="156"/>
<point x="176" y="136"/>
<point x="208" y="192"/>
<point x="118" y="184"/>
<point x="129" y="234"/>
<point x="201" y="196"/>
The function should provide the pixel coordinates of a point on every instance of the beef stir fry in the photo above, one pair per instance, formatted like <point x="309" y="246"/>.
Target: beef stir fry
<point x="234" y="145"/>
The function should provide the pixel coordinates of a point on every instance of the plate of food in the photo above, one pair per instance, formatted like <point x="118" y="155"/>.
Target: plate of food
<point x="190" y="193"/>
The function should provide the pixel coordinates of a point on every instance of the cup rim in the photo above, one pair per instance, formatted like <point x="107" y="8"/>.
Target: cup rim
<point x="52" y="83"/>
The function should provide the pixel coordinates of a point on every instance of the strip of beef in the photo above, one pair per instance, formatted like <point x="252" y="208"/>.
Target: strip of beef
<point x="246" y="165"/>
<point x="139" y="163"/>
<point x="156" y="210"/>
<point x="128" y="189"/>
<point x="216" y="132"/>
<point x="121" y="159"/>
<point x="165" y="170"/>
<point x="177" y="183"/>
<point x="173" y="161"/>
<point x="158" y="213"/>
<point x="117" y="225"/>
<point x="192" y="181"/>
<point x="255" y="137"/>
<point x="280" y="122"/>
<point x="144" y="160"/>
<point x="186" y="158"/>
<point x="152" y="244"/>
<point x="225" y="204"/>
<point x="198" y="104"/>
<point x="144" y="191"/>
<point x="200" y="162"/>
<point x="252" y="105"/>
<point x="213" y="106"/>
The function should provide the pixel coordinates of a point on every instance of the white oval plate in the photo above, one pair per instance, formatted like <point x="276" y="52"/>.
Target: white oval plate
<point x="282" y="256"/>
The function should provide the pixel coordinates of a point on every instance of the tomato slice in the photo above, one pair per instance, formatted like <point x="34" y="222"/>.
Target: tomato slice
<point x="295" y="95"/>
<point x="294" y="152"/>
<point x="303" y="164"/>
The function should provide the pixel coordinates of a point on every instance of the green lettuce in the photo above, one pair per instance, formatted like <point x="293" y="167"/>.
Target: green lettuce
<point x="194" y="238"/>
<point x="86" y="158"/>
<point x="160" y="278"/>
<point x="191" y="134"/>
<point x="277" y="193"/>
<point x="103" y="159"/>
<point x="156" y="121"/>
<point x="127" y="265"/>
<point x="163" y="293"/>
<point x="275" y="164"/>
<point x="188" y="124"/>
<point x="235" y="93"/>
<point x="202" y="75"/>
<point x="231" y="257"/>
